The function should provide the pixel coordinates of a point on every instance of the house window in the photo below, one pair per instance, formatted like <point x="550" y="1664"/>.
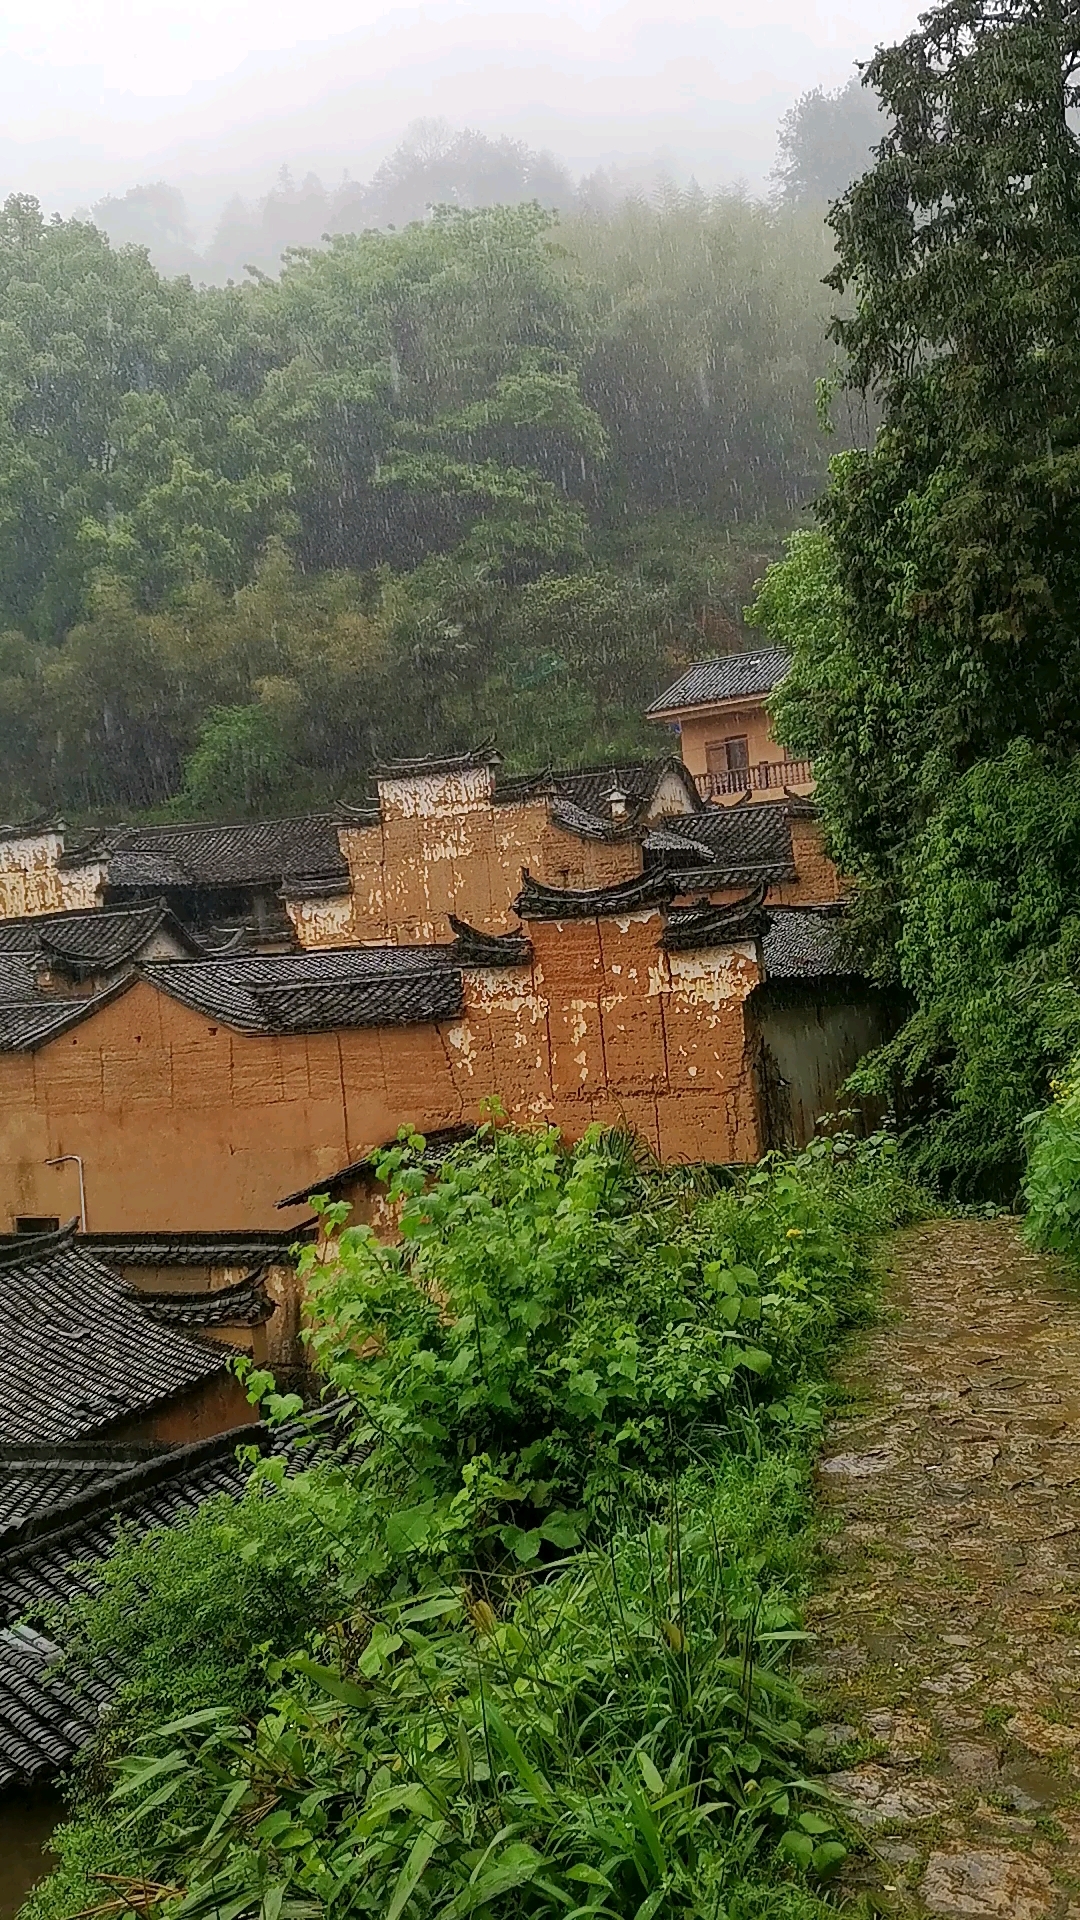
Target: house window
<point x="728" y="756"/>
<point x="37" y="1223"/>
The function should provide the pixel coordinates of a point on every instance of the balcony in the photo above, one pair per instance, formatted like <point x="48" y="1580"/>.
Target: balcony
<point x="771" y="776"/>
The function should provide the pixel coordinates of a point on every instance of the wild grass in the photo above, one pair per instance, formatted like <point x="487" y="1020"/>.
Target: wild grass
<point x="553" y="1581"/>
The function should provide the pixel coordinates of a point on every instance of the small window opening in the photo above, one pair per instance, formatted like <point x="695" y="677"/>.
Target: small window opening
<point x="37" y="1223"/>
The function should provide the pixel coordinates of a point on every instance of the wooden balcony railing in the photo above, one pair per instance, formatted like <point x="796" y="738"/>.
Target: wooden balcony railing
<point x="773" y="775"/>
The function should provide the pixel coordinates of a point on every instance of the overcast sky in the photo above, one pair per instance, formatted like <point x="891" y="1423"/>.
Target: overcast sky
<point x="96" y="94"/>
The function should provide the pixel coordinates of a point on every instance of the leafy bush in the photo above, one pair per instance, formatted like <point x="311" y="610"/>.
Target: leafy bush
<point x="553" y="1587"/>
<point x="1052" y="1177"/>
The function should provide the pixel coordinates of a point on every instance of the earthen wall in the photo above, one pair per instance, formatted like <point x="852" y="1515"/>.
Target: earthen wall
<point x="449" y="849"/>
<point x="183" y="1123"/>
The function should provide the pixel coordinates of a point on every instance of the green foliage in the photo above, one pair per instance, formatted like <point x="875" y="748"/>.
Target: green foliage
<point x="1052" y="1175"/>
<point x="517" y="459"/>
<point x="825" y="143"/>
<point x="935" y="618"/>
<point x="523" y="1647"/>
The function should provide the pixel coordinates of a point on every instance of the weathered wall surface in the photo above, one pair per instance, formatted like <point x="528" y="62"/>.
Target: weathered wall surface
<point x="183" y="1123"/>
<point x="819" y="883"/>
<point x="811" y="1041"/>
<point x="31" y="881"/>
<point x="216" y="1406"/>
<point x="443" y="847"/>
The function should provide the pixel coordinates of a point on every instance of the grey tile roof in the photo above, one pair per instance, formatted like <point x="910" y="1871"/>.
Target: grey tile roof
<point x="474" y="948"/>
<point x="252" y="853"/>
<point x="47" y="1559"/>
<point x="310" y="992"/>
<point x="106" y="936"/>
<point x="664" y="840"/>
<point x="45" y="1718"/>
<point x="26" y="1024"/>
<point x="243" y="1304"/>
<point x="747" y="838"/>
<point x="20" y="974"/>
<point x="82" y="944"/>
<point x="77" y="1349"/>
<point x="539" y="901"/>
<point x="805" y="943"/>
<point x="485" y="755"/>
<point x="689" y="929"/>
<point x="397" y="1000"/>
<point x="36" y="1479"/>
<point x="258" y="1247"/>
<point x="733" y="676"/>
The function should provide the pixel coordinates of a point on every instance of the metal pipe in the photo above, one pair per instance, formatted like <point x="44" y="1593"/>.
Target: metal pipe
<point x="77" y="1158"/>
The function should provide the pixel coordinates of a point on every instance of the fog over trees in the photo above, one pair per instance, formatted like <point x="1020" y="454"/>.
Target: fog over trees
<point x="500" y="454"/>
<point x="824" y="141"/>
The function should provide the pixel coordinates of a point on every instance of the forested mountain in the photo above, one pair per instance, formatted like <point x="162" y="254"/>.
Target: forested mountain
<point x="488" y="472"/>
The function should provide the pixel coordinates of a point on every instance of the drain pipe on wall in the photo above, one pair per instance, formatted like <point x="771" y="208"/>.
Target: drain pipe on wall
<point x="63" y="1160"/>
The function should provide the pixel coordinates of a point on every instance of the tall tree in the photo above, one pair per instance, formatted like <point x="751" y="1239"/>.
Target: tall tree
<point x="825" y="142"/>
<point x="938" y="621"/>
<point x="955" y="536"/>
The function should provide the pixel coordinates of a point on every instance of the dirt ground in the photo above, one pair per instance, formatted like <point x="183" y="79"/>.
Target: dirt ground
<point x="949" y="1625"/>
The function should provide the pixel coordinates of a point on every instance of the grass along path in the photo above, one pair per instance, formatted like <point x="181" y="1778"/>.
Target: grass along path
<point x="949" y="1624"/>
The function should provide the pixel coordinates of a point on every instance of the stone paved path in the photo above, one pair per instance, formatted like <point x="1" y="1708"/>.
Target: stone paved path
<point x="949" y="1649"/>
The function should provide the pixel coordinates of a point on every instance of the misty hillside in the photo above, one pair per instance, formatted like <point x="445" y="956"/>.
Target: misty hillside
<point x="824" y="142"/>
<point x="494" y="470"/>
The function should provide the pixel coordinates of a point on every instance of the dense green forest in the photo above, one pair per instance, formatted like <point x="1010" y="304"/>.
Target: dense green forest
<point x="489" y="473"/>
<point x="500" y="470"/>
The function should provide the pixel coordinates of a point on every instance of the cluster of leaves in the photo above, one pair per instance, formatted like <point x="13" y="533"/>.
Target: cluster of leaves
<point x="553" y="1572"/>
<point x="1052" y="1176"/>
<point x="458" y="435"/>
<point x="935" y="617"/>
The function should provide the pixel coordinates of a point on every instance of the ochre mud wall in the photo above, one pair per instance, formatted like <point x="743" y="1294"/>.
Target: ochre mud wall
<point x="443" y="847"/>
<point x="183" y="1123"/>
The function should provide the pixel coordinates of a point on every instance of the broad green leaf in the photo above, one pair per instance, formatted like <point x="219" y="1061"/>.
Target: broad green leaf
<point x="413" y="1871"/>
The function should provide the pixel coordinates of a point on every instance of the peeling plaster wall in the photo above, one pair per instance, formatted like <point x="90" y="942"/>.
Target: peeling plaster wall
<point x="184" y="1124"/>
<point x="32" y="882"/>
<point x="442" y="846"/>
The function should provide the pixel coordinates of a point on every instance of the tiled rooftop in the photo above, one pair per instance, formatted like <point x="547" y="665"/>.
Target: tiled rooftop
<point x="263" y="853"/>
<point x="26" y="1024"/>
<point x="45" y="1719"/>
<point x="243" y="1304"/>
<point x="94" y="939"/>
<point x="309" y="992"/>
<point x="78" y="1350"/>
<point x="733" y="676"/>
<point x="805" y="943"/>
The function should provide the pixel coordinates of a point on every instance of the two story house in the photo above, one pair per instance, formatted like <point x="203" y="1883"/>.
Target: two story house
<point x="718" y="709"/>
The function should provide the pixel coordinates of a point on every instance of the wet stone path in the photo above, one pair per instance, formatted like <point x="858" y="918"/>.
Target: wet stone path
<point x="948" y="1651"/>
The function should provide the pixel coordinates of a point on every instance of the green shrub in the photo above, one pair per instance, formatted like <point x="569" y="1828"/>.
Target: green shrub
<point x="524" y="1649"/>
<point x="1052" y="1178"/>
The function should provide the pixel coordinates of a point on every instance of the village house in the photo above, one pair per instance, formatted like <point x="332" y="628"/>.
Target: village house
<point x="193" y="1094"/>
<point x="725" y="731"/>
<point x="445" y="836"/>
<point x="61" y="1508"/>
<point x="117" y="1409"/>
